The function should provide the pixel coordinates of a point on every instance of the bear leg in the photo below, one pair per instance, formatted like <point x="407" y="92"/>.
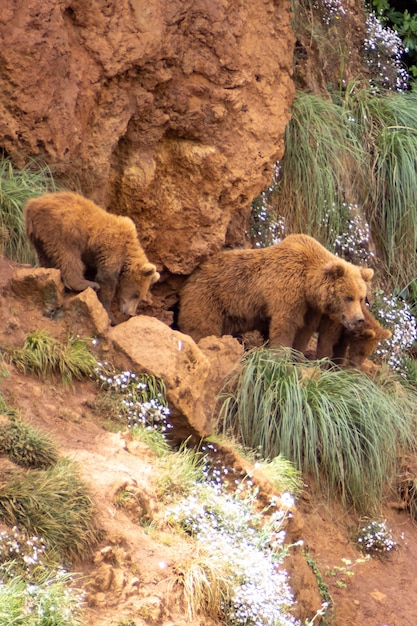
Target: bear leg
<point x="72" y="272"/>
<point x="282" y="332"/>
<point x="330" y="333"/>
<point x="201" y="323"/>
<point x="304" y="334"/>
<point x="106" y="294"/>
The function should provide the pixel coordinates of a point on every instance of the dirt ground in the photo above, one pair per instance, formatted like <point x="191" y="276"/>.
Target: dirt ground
<point x="131" y="579"/>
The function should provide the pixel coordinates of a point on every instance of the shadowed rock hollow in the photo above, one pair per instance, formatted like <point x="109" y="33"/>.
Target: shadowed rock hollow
<point x="170" y="111"/>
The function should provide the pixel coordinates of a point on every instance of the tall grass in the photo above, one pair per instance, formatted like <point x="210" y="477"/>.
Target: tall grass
<point x="207" y="582"/>
<point x="16" y="187"/>
<point x="178" y="472"/>
<point x="359" y="148"/>
<point x="323" y="158"/>
<point x="387" y="126"/>
<point x="54" y="504"/>
<point x="336" y="426"/>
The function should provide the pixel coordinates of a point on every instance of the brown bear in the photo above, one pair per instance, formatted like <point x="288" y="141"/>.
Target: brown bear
<point x="281" y="291"/>
<point x="350" y="347"/>
<point x="91" y="247"/>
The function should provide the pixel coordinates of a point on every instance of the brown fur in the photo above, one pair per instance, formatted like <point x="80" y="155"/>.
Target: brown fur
<point x="352" y="347"/>
<point x="91" y="247"/>
<point x="282" y="291"/>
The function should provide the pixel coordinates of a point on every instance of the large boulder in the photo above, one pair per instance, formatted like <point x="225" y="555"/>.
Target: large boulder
<point x="170" y="111"/>
<point x="147" y="345"/>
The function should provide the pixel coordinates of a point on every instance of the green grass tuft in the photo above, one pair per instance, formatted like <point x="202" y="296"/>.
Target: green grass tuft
<point x="54" y="504"/>
<point x="152" y="438"/>
<point x="323" y="159"/>
<point x="26" y="446"/>
<point x="337" y="426"/>
<point x="282" y="474"/>
<point x="45" y="356"/>
<point x="178" y="472"/>
<point x="16" y="187"/>
<point x="207" y="582"/>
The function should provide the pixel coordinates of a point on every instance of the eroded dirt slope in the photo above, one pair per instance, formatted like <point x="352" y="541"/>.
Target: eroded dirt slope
<point x="131" y="575"/>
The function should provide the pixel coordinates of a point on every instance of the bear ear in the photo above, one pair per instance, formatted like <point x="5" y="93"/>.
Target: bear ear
<point x="384" y="333"/>
<point x="366" y="333"/>
<point x="334" y="269"/>
<point x="367" y="274"/>
<point x="149" y="269"/>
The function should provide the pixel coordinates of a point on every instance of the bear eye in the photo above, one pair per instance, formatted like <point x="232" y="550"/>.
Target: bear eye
<point x="349" y="299"/>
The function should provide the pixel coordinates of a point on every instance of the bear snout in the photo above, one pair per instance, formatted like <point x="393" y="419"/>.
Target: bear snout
<point x="128" y="306"/>
<point x="354" y="322"/>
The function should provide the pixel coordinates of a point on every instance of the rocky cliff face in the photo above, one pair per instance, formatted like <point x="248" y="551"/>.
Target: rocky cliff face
<point x="170" y="111"/>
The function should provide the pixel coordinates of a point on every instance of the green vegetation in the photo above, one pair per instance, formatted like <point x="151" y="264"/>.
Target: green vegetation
<point x="16" y="187"/>
<point x="358" y="149"/>
<point x="327" y="598"/>
<point x="34" y="589"/>
<point x="178" y="472"/>
<point x="337" y="426"/>
<point x="152" y="438"/>
<point x="323" y="156"/>
<point x="207" y="582"/>
<point x="375" y="537"/>
<point x="54" y="504"/>
<point x="405" y="24"/>
<point x="45" y="356"/>
<point x="233" y="572"/>
<point x="46" y="602"/>
<point x="136" y="399"/>
<point x="26" y="446"/>
<point x="282" y="474"/>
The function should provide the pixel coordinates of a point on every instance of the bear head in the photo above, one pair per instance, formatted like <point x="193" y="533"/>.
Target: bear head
<point x="364" y="342"/>
<point x="345" y="288"/>
<point x="134" y="283"/>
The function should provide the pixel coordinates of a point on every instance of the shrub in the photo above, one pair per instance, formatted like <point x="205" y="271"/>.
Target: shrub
<point x="382" y="54"/>
<point x="375" y="538"/>
<point x="395" y="314"/>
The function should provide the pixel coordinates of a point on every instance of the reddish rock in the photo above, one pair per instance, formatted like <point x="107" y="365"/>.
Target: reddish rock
<point x="85" y="314"/>
<point x="39" y="287"/>
<point x="223" y="354"/>
<point x="170" y="111"/>
<point x="147" y="345"/>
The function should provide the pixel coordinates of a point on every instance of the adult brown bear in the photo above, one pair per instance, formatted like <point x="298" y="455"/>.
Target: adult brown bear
<point x="282" y="291"/>
<point x="82" y="240"/>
